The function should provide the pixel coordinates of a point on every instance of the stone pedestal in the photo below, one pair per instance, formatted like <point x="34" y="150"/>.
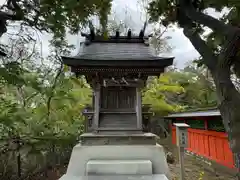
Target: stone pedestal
<point x="135" y="177"/>
<point x="103" y="156"/>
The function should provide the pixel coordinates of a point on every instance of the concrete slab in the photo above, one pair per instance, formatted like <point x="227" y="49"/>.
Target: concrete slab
<point x="119" y="167"/>
<point x="81" y="155"/>
<point x="150" y="177"/>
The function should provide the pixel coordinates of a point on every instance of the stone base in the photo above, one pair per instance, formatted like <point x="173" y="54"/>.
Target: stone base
<point x="82" y="155"/>
<point x="98" y="139"/>
<point x="149" y="177"/>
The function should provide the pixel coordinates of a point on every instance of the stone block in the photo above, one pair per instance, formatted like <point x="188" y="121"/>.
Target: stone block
<point x="81" y="155"/>
<point x="119" y="167"/>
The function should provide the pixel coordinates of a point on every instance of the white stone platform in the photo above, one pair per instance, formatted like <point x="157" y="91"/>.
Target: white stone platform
<point x="83" y="155"/>
<point x="149" y="177"/>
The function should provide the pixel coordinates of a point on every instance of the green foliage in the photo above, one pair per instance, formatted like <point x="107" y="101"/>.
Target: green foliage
<point x="167" y="10"/>
<point x="25" y="109"/>
<point x="155" y="94"/>
<point x="199" y="88"/>
<point x="57" y="15"/>
<point x="41" y="106"/>
<point x="180" y="90"/>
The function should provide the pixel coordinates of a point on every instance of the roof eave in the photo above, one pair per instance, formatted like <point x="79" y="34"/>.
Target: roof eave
<point x="156" y="62"/>
<point x="194" y="114"/>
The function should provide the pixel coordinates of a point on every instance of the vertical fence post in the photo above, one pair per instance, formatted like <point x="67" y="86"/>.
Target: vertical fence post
<point x="182" y="142"/>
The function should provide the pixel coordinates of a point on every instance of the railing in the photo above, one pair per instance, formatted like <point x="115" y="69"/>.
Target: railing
<point x="209" y="144"/>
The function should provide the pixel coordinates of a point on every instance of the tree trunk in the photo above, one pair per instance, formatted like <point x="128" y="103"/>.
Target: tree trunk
<point x="219" y="66"/>
<point x="229" y="104"/>
<point x="228" y="96"/>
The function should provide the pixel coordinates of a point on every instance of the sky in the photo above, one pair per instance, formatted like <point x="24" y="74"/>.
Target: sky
<point x="182" y="49"/>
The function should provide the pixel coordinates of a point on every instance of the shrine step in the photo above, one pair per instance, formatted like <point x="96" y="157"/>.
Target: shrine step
<point x="119" y="167"/>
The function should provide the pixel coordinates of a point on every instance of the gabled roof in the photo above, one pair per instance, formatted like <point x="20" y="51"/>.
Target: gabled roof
<point x="114" y="49"/>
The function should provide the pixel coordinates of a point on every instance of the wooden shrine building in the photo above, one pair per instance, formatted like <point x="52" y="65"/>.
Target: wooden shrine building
<point x="117" y="68"/>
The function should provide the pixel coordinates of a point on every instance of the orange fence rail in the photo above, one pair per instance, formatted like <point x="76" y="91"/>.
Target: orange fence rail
<point x="209" y="144"/>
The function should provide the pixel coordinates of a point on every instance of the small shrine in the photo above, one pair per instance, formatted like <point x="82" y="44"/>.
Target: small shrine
<point x="114" y="143"/>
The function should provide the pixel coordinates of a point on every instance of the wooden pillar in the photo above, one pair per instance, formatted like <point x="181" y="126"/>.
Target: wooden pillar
<point x="139" y="108"/>
<point x="95" y="123"/>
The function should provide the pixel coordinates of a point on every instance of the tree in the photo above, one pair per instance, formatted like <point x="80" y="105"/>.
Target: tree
<point x="219" y="59"/>
<point x="54" y="16"/>
<point x="199" y="90"/>
<point x="157" y="93"/>
<point x="40" y="105"/>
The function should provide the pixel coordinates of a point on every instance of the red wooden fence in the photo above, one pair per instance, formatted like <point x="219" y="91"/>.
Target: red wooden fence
<point x="209" y="144"/>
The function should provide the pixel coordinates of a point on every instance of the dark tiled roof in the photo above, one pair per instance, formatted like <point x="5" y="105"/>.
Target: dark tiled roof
<point x="122" y="48"/>
<point x="116" y="51"/>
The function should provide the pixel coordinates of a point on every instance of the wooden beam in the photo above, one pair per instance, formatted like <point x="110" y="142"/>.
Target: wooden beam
<point x="123" y="82"/>
<point x="118" y="129"/>
<point x="139" y="108"/>
<point x="97" y="89"/>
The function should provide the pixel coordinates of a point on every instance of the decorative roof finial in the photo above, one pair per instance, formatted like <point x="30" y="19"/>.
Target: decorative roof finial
<point x="117" y="34"/>
<point x="92" y="31"/>
<point x="142" y="32"/>
<point x="92" y="34"/>
<point x="129" y="34"/>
